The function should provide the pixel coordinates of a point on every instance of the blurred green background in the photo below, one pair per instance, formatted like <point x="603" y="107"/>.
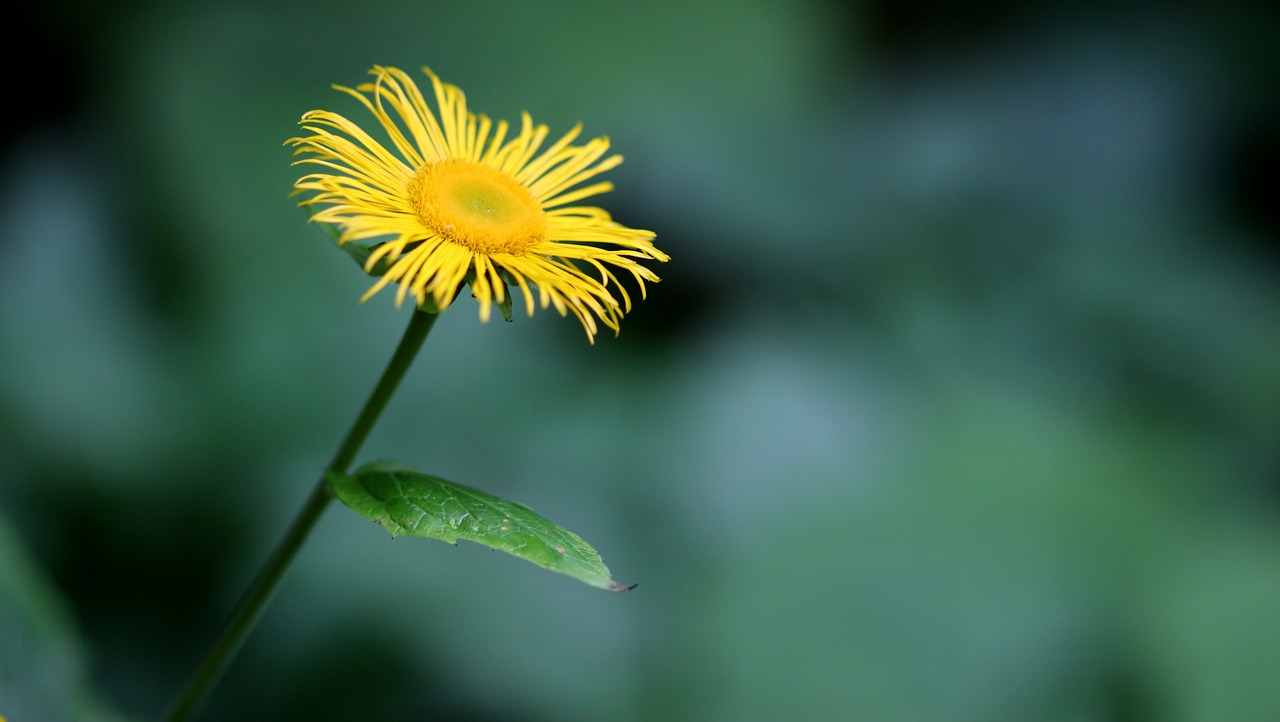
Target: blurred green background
<point x="960" y="398"/>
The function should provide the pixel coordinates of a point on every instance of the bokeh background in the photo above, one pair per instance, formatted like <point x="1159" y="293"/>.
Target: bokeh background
<point x="960" y="398"/>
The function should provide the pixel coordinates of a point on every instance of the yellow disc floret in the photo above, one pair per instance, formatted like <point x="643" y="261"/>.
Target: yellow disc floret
<point x="477" y="206"/>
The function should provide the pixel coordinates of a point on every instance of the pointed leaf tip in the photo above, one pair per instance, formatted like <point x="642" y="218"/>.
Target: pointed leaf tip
<point x="406" y="502"/>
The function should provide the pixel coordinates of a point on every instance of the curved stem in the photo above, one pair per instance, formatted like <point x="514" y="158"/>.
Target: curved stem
<point x="263" y="586"/>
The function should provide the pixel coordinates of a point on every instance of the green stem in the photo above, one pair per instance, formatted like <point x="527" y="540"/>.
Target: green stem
<point x="262" y="587"/>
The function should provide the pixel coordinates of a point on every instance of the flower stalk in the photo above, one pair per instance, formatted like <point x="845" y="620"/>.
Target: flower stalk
<point x="264" y="585"/>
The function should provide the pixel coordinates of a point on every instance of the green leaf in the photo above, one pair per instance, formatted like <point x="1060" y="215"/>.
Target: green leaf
<point x="505" y="304"/>
<point x="44" y="667"/>
<point x="359" y="252"/>
<point x="410" y="503"/>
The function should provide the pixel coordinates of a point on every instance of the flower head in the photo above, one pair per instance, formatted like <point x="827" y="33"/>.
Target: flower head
<point x="457" y="201"/>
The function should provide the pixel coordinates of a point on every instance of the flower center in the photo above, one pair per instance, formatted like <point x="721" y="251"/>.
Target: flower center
<point x="477" y="206"/>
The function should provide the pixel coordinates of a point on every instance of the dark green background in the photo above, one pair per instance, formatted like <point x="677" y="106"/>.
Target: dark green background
<point x="959" y="399"/>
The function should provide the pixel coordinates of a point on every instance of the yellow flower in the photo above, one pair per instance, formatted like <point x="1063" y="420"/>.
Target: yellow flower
<point x="457" y="201"/>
